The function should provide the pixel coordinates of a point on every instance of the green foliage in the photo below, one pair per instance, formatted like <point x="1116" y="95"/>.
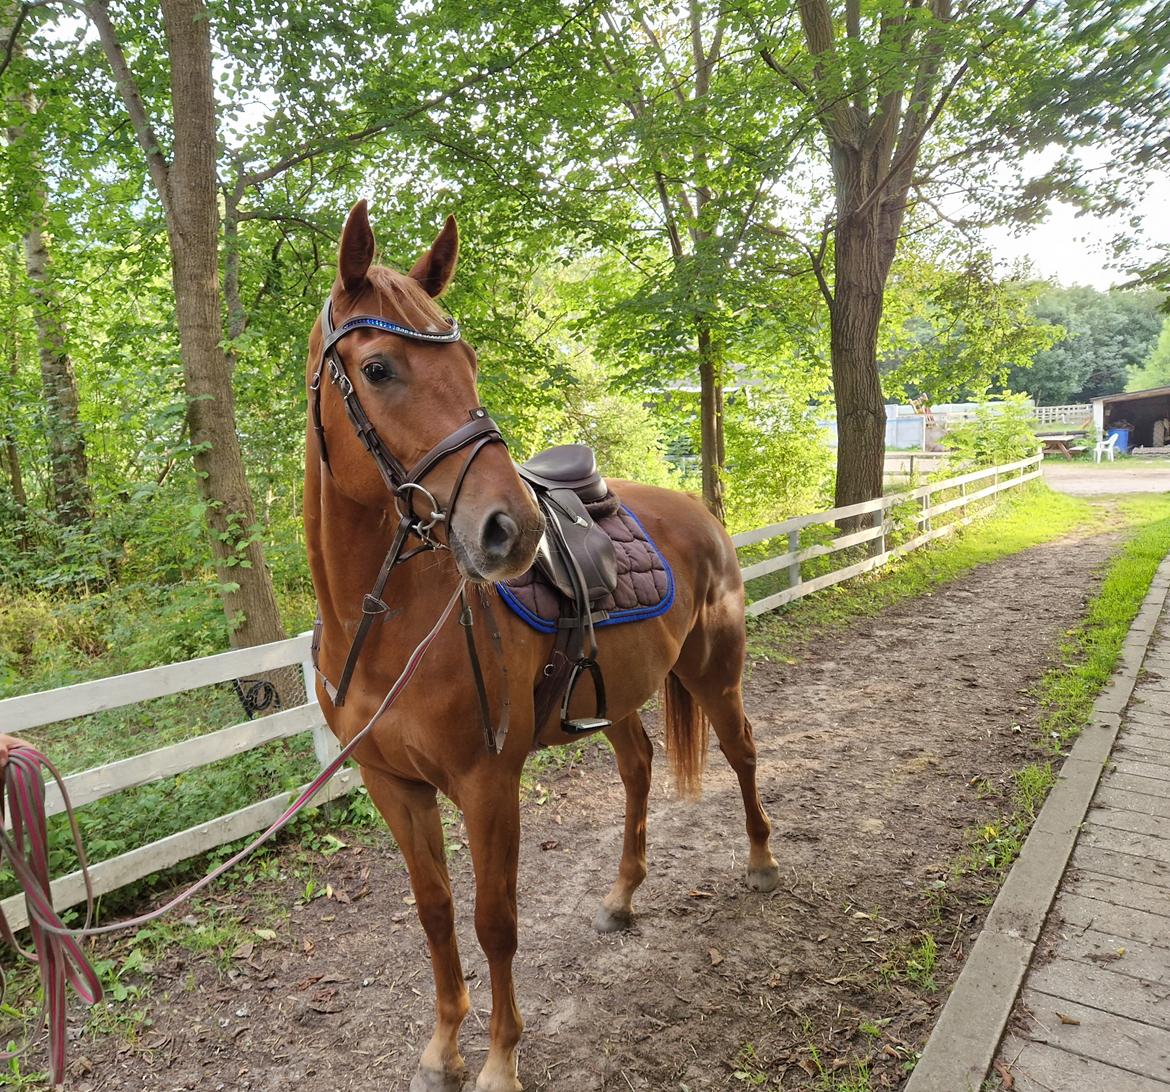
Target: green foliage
<point x="1002" y="432"/>
<point x="1105" y="336"/>
<point x="1155" y="369"/>
<point x="951" y="333"/>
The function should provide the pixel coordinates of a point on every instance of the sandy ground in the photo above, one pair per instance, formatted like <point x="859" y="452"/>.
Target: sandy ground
<point x="1089" y="479"/>
<point x="881" y="749"/>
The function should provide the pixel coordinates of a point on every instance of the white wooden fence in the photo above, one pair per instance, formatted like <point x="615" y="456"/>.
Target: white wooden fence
<point x="988" y="483"/>
<point x="1071" y="415"/>
<point x="34" y="710"/>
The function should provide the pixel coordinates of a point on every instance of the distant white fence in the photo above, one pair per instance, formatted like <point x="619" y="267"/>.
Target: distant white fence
<point x="34" y="710"/>
<point x="1070" y="415"/>
<point x="997" y="479"/>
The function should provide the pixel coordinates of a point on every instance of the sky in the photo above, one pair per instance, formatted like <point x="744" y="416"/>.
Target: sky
<point x="1073" y="249"/>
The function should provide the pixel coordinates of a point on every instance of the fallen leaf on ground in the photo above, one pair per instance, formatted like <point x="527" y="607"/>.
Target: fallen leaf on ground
<point x="716" y="956"/>
<point x="1068" y="1019"/>
<point x="1005" y="1075"/>
<point x="244" y="951"/>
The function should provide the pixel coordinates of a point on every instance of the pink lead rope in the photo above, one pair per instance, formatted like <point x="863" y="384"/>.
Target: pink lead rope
<point x="24" y="841"/>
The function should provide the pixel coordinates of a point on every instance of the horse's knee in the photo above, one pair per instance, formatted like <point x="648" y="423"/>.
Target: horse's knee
<point x="436" y="912"/>
<point x="495" y="926"/>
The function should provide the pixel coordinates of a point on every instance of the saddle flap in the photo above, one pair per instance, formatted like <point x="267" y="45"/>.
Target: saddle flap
<point x="590" y="547"/>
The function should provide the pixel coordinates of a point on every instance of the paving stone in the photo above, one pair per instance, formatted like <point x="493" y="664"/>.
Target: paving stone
<point x="1037" y="1067"/>
<point x="1133" y="783"/>
<point x="1110" y="797"/>
<point x="1122" y="955"/>
<point x="1123" y="867"/>
<point x="1148" y="740"/>
<point x="1139" y="822"/>
<point x="1139" y="999"/>
<point x="1122" y="921"/>
<point x="1128" y="893"/>
<point x="1126" y="1044"/>
<point x="1142" y="769"/>
<point x="1138" y="749"/>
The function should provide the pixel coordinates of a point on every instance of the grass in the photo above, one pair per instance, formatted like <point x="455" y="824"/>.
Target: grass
<point x="1032" y="516"/>
<point x="1090" y="652"/>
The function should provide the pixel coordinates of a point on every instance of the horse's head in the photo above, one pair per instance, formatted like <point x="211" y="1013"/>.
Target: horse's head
<point x="402" y="370"/>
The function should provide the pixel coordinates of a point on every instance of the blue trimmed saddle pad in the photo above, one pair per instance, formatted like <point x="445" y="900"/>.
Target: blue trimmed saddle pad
<point x="645" y="582"/>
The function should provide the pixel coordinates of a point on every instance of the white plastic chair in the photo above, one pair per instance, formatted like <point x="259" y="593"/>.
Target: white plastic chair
<point x="1105" y="447"/>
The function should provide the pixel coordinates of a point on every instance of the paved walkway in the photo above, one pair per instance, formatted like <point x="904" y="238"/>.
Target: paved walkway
<point x="1094" y="1013"/>
<point x="1074" y="957"/>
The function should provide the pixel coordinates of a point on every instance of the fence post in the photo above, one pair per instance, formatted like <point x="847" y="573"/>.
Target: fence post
<point x="878" y="544"/>
<point x="794" y="567"/>
<point x="925" y="520"/>
<point x="963" y="494"/>
<point x="325" y="745"/>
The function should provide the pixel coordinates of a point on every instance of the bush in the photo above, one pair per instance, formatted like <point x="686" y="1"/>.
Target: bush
<point x="1002" y="432"/>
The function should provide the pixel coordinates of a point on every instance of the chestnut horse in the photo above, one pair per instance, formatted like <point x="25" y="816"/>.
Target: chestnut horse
<point x="416" y="388"/>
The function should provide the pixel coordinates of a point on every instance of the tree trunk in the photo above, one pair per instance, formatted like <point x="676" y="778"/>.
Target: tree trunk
<point x="858" y="292"/>
<point x="193" y="226"/>
<point x="711" y="425"/>
<point x="69" y="472"/>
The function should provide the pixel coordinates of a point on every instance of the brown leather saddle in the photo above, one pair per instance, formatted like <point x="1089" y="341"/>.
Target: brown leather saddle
<point x="578" y="559"/>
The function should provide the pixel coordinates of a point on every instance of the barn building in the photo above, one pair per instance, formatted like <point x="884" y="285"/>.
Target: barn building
<point x="1143" y="413"/>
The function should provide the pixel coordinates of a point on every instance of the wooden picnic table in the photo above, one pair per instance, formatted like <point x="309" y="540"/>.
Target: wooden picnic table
<point x="1059" y="445"/>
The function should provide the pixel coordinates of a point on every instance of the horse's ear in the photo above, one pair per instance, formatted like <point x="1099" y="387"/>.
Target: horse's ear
<point x="436" y="267"/>
<point x="357" y="248"/>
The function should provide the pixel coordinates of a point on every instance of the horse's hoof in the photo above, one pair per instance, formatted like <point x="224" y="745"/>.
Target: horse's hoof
<point x="763" y="879"/>
<point x="435" y="1080"/>
<point x="612" y="921"/>
<point x="499" y="1083"/>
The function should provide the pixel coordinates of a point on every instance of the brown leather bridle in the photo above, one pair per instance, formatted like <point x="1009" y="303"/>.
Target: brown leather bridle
<point x="403" y="484"/>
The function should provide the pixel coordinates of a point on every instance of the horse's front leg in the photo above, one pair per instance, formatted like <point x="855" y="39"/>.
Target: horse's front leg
<point x="491" y="808"/>
<point x="412" y="812"/>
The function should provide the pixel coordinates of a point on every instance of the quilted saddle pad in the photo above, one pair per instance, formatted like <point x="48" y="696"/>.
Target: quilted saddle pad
<point x="645" y="582"/>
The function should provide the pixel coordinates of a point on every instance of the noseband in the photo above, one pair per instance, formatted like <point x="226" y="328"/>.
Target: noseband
<point x="404" y="483"/>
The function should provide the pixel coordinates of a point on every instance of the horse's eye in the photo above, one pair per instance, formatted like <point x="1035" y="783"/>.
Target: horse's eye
<point x="376" y="371"/>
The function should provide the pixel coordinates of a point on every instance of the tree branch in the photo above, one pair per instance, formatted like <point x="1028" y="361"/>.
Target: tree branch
<point x="310" y="150"/>
<point x="10" y="46"/>
<point x="127" y="86"/>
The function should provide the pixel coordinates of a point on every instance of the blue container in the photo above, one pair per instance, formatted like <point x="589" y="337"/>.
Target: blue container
<point x="1122" y="435"/>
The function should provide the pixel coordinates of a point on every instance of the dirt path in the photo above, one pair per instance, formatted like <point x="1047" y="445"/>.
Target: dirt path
<point x="878" y="748"/>
<point x="1138" y="475"/>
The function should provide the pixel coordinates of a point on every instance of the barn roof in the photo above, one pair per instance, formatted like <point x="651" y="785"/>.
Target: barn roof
<point x="1130" y="396"/>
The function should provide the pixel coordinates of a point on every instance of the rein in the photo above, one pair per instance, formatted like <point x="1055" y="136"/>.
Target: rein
<point x="24" y="842"/>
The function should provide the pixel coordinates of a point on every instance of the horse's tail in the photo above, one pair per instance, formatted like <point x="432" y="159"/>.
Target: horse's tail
<point x="686" y="738"/>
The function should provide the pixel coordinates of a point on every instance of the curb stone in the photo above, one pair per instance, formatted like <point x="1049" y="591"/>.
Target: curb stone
<point x="965" y="1039"/>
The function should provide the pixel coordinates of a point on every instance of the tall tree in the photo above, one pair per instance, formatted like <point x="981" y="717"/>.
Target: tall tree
<point x="68" y="469"/>
<point x="186" y="185"/>
<point x="914" y="97"/>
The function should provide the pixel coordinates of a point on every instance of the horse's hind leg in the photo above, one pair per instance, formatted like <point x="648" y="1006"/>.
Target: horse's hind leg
<point x="412" y="813"/>
<point x="711" y="670"/>
<point x="635" y="754"/>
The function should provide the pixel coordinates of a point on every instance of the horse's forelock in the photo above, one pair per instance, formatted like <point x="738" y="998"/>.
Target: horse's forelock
<point x="407" y="299"/>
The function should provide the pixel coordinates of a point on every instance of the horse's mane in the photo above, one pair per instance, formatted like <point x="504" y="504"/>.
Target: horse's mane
<point x="408" y="297"/>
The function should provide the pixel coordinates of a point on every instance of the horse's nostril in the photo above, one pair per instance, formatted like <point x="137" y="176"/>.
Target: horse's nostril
<point x="500" y="534"/>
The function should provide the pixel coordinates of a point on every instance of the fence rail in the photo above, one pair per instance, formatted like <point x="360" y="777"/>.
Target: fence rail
<point x="35" y="710"/>
<point x="1007" y="476"/>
